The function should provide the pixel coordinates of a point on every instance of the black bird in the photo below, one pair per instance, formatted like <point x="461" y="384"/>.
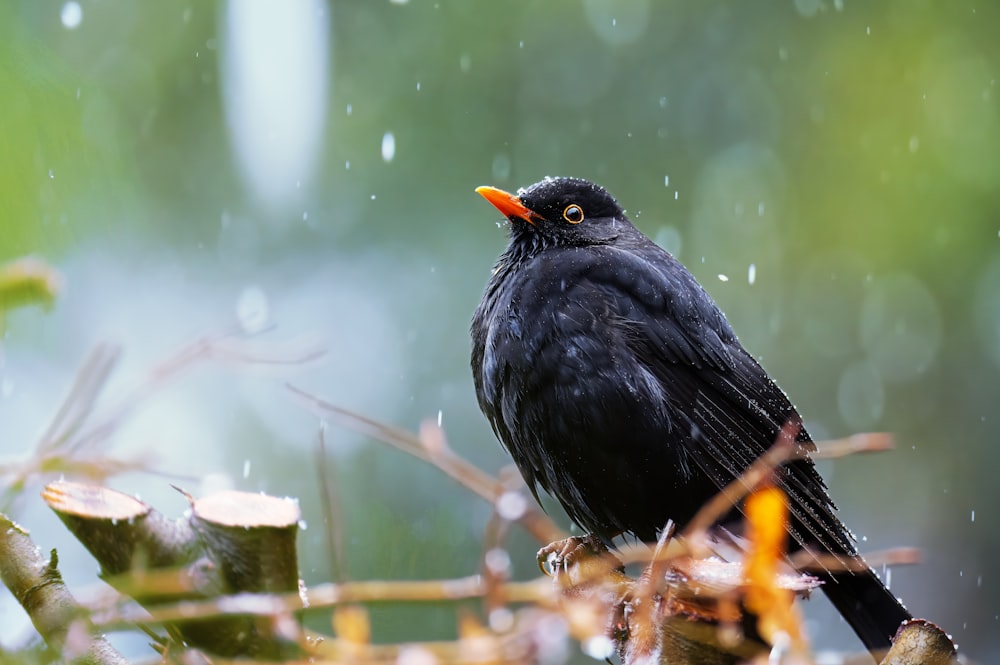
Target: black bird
<point x="618" y="386"/>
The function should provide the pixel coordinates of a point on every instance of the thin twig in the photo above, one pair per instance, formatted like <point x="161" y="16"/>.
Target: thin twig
<point x="806" y="561"/>
<point x="442" y="457"/>
<point x="332" y="513"/>
<point x="659" y="563"/>
<point x="79" y="402"/>
<point x="320" y="597"/>
<point x="219" y="345"/>
<point x="867" y="442"/>
<point x="38" y="585"/>
<point x="67" y="447"/>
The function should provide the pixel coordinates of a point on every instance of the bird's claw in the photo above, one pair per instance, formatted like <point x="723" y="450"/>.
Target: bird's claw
<point x="549" y="559"/>
<point x="558" y="557"/>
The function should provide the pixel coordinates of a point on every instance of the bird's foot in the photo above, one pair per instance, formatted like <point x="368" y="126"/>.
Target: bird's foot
<point x="556" y="559"/>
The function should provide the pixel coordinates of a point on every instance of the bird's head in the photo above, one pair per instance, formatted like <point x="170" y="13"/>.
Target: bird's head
<point x="560" y="211"/>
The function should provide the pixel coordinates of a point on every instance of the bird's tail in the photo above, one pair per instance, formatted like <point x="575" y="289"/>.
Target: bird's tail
<point x="867" y="605"/>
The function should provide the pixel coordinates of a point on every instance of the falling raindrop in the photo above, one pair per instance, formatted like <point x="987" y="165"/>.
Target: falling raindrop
<point x="388" y="146"/>
<point x="71" y="15"/>
<point x="752" y="273"/>
<point x="252" y="309"/>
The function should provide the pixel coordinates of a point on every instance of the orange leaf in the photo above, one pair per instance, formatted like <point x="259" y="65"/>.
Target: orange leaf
<point x="766" y="511"/>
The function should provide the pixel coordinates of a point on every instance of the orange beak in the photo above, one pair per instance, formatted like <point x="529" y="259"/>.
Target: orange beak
<point x="508" y="204"/>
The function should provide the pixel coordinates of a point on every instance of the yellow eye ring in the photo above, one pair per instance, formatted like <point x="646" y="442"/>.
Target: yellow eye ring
<point x="573" y="214"/>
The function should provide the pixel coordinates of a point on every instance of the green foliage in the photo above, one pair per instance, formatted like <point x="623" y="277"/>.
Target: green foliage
<point x="27" y="282"/>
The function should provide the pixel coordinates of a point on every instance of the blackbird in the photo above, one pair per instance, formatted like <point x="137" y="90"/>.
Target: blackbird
<point x="618" y="386"/>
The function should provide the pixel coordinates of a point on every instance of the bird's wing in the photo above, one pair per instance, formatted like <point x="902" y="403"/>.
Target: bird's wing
<point x="732" y="409"/>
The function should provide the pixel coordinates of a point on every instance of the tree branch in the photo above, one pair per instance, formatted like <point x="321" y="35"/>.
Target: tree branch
<point x="39" y="588"/>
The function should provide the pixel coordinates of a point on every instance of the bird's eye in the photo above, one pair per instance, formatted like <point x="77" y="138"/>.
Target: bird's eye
<point x="573" y="214"/>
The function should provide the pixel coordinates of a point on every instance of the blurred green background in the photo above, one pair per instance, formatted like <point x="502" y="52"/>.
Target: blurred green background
<point x="827" y="168"/>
